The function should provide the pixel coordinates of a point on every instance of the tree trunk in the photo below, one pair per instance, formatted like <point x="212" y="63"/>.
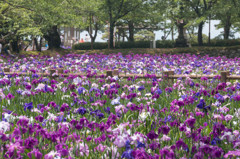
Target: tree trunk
<point x="119" y="34"/>
<point x="33" y="45"/>
<point x="200" y="37"/>
<point x="209" y="31"/>
<point x="111" y="34"/>
<point x="131" y="31"/>
<point x="53" y="38"/>
<point x="227" y="27"/>
<point x="180" y="41"/>
<point x="123" y="36"/>
<point x="36" y="43"/>
<point x="40" y="45"/>
<point x="25" y="49"/>
<point x="14" y="45"/>
<point x="93" y="38"/>
<point x="172" y="33"/>
<point x="95" y="35"/>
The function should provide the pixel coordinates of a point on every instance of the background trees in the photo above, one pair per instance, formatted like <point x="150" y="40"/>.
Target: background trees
<point x="115" y="10"/>
<point x="228" y="16"/>
<point x="41" y="19"/>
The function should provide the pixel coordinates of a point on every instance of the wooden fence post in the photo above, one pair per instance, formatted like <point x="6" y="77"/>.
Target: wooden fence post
<point x="60" y="70"/>
<point x="224" y="75"/>
<point x="166" y="75"/>
<point x="115" y="72"/>
<point x="6" y="69"/>
<point x="52" y="71"/>
<point x="109" y="73"/>
<point x="171" y="80"/>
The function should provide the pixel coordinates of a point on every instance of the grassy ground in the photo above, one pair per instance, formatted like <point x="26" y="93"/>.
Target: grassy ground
<point x="195" y="50"/>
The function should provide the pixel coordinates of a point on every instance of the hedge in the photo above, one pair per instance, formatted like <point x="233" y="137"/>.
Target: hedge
<point x="87" y="46"/>
<point x="232" y="42"/>
<point x="221" y="42"/>
<point x="124" y="45"/>
<point x="146" y="44"/>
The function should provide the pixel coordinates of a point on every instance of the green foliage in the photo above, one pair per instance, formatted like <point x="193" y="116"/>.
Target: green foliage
<point x="125" y="45"/>
<point x="136" y="44"/>
<point x="220" y="43"/>
<point x="16" y="21"/>
<point x="105" y="35"/>
<point x="165" y="44"/>
<point x="193" y="39"/>
<point x="232" y="42"/>
<point x="20" y="19"/>
<point x="87" y="46"/>
<point x="115" y="10"/>
<point x="144" y="35"/>
<point x="159" y="44"/>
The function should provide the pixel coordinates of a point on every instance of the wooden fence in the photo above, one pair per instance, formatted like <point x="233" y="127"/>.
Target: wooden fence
<point x="166" y="75"/>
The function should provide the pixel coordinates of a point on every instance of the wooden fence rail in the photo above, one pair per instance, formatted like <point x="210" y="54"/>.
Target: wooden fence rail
<point x="166" y="75"/>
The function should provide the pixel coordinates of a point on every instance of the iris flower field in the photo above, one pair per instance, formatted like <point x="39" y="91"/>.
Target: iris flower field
<point x="99" y="117"/>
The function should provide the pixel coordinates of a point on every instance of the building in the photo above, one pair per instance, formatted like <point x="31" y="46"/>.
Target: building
<point x="70" y="35"/>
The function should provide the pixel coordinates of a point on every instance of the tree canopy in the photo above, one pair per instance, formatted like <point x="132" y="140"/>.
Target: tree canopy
<point x="21" y="19"/>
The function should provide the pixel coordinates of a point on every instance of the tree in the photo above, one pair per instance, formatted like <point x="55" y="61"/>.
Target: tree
<point x="116" y="10"/>
<point x="43" y="18"/>
<point x="143" y="17"/>
<point x="175" y="15"/>
<point x="50" y="15"/>
<point x="227" y="13"/>
<point x="201" y="9"/>
<point x="87" y="16"/>
<point x="144" y="35"/>
<point x="15" y="23"/>
<point x="94" y="21"/>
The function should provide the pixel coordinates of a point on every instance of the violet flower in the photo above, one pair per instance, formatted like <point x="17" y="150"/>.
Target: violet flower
<point x="152" y="135"/>
<point x="28" y="106"/>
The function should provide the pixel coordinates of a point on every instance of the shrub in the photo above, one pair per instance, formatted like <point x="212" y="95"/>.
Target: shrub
<point x="220" y="42"/>
<point x="146" y="44"/>
<point x="87" y="46"/>
<point x="230" y="42"/>
<point x="125" y="45"/>
<point x="165" y="44"/>
<point x="135" y="44"/>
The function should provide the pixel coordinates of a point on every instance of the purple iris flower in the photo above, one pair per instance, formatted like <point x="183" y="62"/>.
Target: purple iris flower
<point x="201" y="104"/>
<point x="39" y="106"/>
<point x="209" y="107"/>
<point x="215" y="141"/>
<point x="46" y="88"/>
<point x="28" y="106"/>
<point x="152" y="135"/>
<point x="219" y="97"/>
<point x="80" y="90"/>
<point x="35" y="75"/>
<point x="97" y="113"/>
<point x="19" y="91"/>
<point x="141" y="88"/>
<point x="140" y="145"/>
<point x="82" y="110"/>
<point x="158" y="91"/>
<point x="100" y="115"/>
<point x="107" y="110"/>
<point x="60" y="119"/>
<point x="128" y="153"/>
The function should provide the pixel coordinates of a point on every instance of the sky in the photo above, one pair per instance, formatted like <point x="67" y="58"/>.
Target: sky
<point x="214" y="32"/>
